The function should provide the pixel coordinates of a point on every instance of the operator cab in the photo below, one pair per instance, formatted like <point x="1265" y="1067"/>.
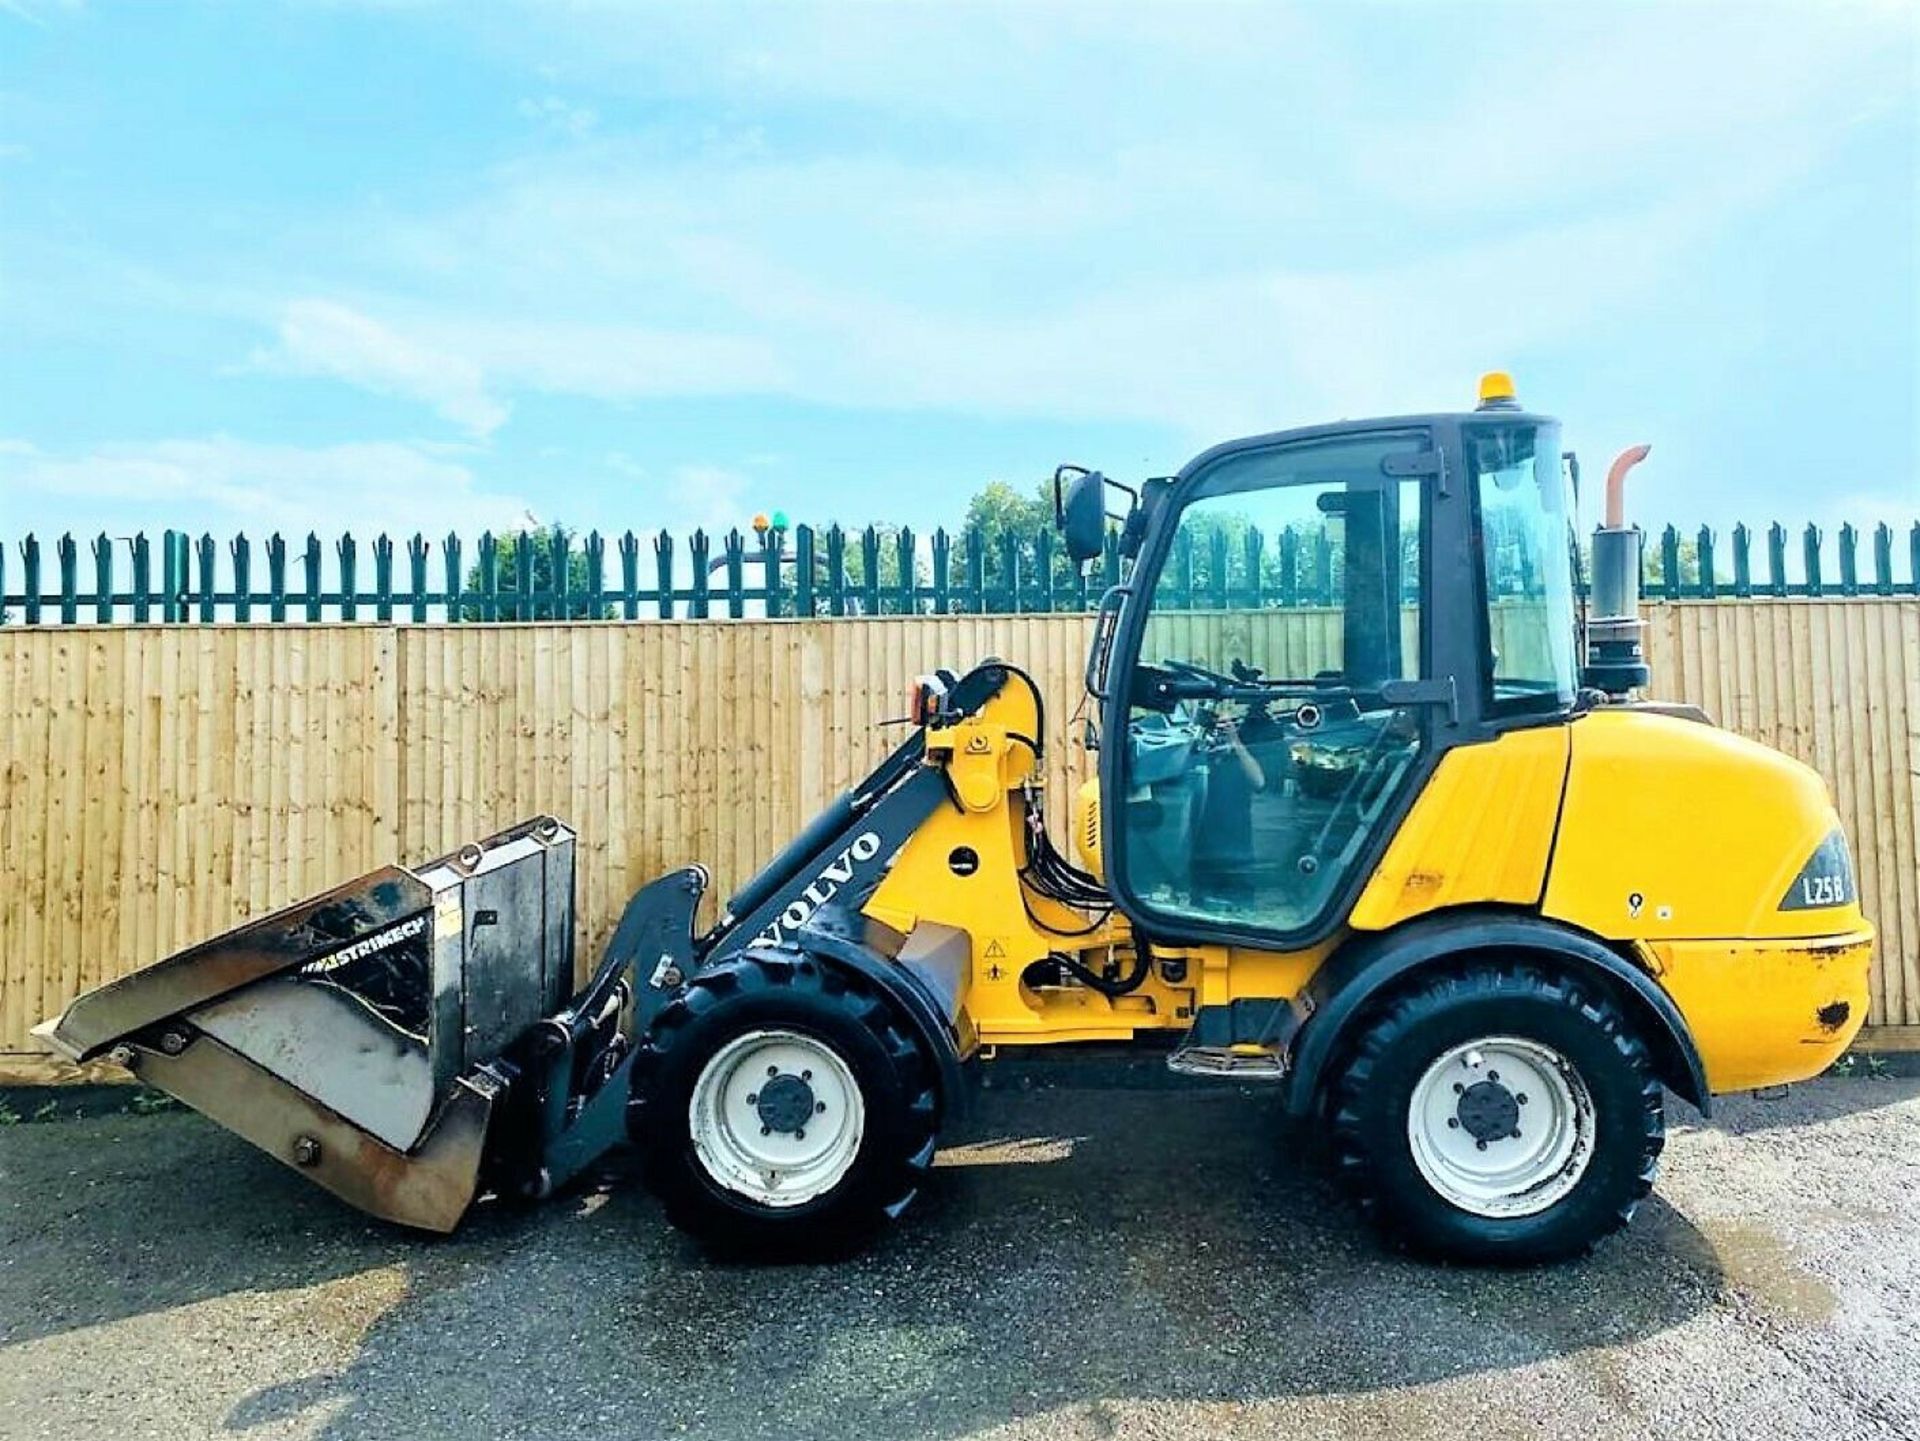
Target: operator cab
<point x="1311" y="620"/>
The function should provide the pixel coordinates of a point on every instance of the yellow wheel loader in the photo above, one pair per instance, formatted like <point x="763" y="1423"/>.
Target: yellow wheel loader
<point x="1410" y="857"/>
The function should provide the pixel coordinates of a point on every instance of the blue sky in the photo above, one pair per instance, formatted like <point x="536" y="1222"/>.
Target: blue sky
<point x="413" y="265"/>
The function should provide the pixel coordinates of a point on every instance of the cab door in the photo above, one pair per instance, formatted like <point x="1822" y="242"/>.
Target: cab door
<point x="1271" y="709"/>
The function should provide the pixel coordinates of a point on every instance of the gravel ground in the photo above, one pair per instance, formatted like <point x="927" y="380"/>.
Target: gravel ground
<point x="1099" y="1260"/>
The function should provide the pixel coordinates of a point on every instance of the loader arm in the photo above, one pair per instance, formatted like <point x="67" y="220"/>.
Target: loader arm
<point x="411" y="1039"/>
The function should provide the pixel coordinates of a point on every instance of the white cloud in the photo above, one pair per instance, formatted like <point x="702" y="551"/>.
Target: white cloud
<point x="323" y="337"/>
<point x="1272" y="247"/>
<point x="1210" y="220"/>
<point x="710" y="497"/>
<point x="457" y="363"/>
<point x="35" y="12"/>
<point x="558" y="116"/>
<point x="225" y="486"/>
<point x="610" y="361"/>
<point x="1245" y="348"/>
<point x="1892" y="506"/>
<point x="713" y="498"/>
<point x="1585" y="107"/>
<point x="937" y="60"/>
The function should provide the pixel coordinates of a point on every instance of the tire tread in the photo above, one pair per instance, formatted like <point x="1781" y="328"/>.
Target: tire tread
<point x="1394" y="1022"/>
<point x="753" y="974"/>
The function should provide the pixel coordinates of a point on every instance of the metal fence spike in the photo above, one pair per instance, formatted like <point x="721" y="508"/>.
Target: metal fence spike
<point x="804" y="570"/>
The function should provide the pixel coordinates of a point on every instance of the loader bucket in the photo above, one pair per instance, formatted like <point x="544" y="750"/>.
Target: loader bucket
<point x="355" y="1036"/>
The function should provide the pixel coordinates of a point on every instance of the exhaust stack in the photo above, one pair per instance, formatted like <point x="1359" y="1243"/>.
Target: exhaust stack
<point x="1615" y="661"/>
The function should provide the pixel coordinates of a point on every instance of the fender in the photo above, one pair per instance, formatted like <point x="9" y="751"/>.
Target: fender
<point x="830" y="937"/>
<point x="1364" y="967"/>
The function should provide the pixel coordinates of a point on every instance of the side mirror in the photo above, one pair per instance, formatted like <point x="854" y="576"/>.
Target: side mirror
<point x="1080" y="511"/>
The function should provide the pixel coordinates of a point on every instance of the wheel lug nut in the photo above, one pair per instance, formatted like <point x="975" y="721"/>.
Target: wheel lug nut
<point x="753" y="1100"/>
<point x="799" y="1133"/>
<point x="773" y="1070"/>
<point x="1516" y="1135"/>
<point x="806" y="1075"/>
<point x="1493" y="1075"/>
<point x="768" y="1131"/>
<point x="1458" y="1089"/>
<point x="819" y="1108"/>
<point x="1521" y="1099"/>
<point x="1480" y="1145"/>
<point x="1453" y="1123"/>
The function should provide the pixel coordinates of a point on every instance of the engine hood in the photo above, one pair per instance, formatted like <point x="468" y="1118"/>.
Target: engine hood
<point x="1675" y="830"/>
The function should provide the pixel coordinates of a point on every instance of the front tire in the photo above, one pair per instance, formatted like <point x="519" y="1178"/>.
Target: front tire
<point x="781" y="1107"/>
<point x="1499" y="1113"/>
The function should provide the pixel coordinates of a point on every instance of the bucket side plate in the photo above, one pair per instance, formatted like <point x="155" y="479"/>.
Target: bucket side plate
<point x="429" y="1187"/>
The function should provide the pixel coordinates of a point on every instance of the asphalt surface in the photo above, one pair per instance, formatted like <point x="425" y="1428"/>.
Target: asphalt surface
<point x="1099" y="1261"/>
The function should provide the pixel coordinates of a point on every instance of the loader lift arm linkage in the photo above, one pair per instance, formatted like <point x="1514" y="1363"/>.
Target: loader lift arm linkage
<point x="314" y="1032"/>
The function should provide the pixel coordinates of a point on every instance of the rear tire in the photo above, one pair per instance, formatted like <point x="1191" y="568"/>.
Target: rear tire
<point x="1454" y="1159"/>
<point x="782" y="1107"/>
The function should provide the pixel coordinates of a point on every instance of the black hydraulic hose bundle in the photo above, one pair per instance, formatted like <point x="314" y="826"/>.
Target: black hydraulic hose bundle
<point x="1055" y="877"/>
<point x="1050" y="874"/>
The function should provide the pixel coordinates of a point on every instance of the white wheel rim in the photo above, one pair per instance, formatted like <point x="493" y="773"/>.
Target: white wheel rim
<point x="1455" y="1126"/>
<point x="777" y="1117"/>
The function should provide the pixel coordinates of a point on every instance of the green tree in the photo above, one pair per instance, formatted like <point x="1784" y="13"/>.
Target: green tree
<point x="999" y="508"/>
<point x="541" y="544"/>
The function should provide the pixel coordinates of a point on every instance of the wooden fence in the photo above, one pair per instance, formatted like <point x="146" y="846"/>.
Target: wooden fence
<point x="159" y="784"/>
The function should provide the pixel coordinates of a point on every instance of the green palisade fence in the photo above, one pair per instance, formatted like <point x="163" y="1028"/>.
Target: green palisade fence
<point x="809" y="571"/>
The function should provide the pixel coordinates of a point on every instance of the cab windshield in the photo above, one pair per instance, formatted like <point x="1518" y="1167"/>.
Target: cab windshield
<point x="1526" y="514"/>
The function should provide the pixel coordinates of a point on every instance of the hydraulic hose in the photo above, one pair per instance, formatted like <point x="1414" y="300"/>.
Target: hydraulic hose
<point x="1047" y="871"/>
<point x="1132" y="981"/>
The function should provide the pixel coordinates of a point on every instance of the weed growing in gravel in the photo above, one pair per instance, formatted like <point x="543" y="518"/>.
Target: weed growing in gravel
<point x="1872" y="1068"/>
<point x="146" y="1102"/>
